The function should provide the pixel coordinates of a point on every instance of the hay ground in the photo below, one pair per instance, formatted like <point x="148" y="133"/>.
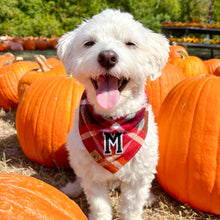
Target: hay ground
<point x="13" y="160"/>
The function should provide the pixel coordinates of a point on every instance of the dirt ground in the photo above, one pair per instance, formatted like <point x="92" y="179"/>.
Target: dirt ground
<point x="13" y="160"/>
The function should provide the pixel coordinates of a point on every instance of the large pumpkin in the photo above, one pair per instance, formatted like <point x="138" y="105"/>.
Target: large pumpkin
<point x="44" y="117"/>
<point x="9" y="78"/>
<point x="191" y="65"/>
<point x="189" y="147"/>
<point x="24" y="197"/>
<point x="159" y="88"/>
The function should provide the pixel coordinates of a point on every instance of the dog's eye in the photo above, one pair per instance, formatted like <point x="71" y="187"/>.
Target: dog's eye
<point x="129" y="43"/>
<point x="89" y="43"/>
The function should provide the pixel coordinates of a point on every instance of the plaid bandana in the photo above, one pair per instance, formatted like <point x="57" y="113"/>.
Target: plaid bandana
<point x="112" y="143"/>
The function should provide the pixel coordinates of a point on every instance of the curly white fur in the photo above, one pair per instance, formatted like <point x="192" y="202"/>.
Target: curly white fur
<point x="146" y="56"/>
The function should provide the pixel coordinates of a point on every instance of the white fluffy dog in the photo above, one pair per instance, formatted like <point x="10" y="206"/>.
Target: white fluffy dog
<point x="114" y="137"/>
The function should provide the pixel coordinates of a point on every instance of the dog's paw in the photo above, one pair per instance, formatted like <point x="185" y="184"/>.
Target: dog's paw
<point x="72" y="189"/>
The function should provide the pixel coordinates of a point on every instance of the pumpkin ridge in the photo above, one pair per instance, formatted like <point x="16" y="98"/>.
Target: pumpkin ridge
<point x="8" y="78"/>
<point x="7" y="96"/>
<point x="30" y="198"/>
<point x="188" y="167"/>
<point x="39" y="102"/>
<point x="44" y="112"/>
<point x="211" y="202"/>
<point x="171" y="114"/>
<point x="61" y="85"/>
<point x="186" y="159"/>
<point x="25" y="118"/>
<point x="39" y="196"/>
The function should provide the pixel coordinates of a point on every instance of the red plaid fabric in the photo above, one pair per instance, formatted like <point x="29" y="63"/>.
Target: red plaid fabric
<point x="112" y="143"/>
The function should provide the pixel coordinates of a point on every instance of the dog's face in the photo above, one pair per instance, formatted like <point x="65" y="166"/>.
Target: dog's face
<point x="111" y="54"/>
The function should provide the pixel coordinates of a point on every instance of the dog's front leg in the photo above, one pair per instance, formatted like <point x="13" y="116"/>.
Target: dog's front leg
<point x="99" y="201"/>
<point x="133" y="199"/>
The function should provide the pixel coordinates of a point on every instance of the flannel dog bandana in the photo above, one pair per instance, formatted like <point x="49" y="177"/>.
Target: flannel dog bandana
<point x="112" y="143"/>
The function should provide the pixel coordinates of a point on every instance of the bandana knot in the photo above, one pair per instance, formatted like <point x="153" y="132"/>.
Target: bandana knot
<point x="112" y="143"/>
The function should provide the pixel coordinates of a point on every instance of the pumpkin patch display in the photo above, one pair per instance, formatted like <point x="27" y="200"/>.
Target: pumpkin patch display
<point x="159" y="88"/>
<point x="45" y="116"/>
<point x="191" y="65"/>
<point x="9" y="78"/>
<point x="189" y="149"/>
<point x="25" y="197"/>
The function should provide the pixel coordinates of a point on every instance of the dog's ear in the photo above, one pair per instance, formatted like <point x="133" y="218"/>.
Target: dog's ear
<point x="64" y="49"/>
<point x="159" y="51"/>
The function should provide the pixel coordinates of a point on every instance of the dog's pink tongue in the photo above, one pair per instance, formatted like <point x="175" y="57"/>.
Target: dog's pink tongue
<point x="107" y="94"/>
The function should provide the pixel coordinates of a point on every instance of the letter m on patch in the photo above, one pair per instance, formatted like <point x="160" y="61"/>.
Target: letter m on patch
<point x="111" y="140"/>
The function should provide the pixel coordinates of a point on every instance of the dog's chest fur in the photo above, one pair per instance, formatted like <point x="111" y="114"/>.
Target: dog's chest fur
<point x="82" y="162"/>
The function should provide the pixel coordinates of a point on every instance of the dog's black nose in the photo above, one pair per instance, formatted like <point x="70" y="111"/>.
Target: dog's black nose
<point x="107" y="58"/>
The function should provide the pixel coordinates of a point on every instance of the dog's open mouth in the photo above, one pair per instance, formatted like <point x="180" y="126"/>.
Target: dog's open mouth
<point x="108" y="89"/>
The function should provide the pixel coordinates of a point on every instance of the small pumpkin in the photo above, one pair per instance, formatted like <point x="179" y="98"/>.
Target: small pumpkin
<point x="53" y="42"/>
<point x="3" y="47"/>
<point x="45" y="116"/>
<point x="45" y="70"/>
<point x="159" y="88"/>
<point x="25" y="197"/>
<point x="29" y="44"/>
<point x="176" y="50"/>
<point x="42" y="44"/>
<point x="6" y="58"/>
<point x="9" y="78"/>
<point x="189" y="131"/>
<point x="212" y="64"/>
<point x="191" y="65"/>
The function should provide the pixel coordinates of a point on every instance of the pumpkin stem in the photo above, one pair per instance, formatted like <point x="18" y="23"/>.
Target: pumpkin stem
<point x="8" y="54"/>
<point x="17" y="59"/>
<point x="42" y="61"/>
<point x="183" y="54"/>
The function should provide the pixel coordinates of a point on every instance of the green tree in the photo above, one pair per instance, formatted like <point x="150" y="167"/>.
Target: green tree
<point x="55" y="17"/>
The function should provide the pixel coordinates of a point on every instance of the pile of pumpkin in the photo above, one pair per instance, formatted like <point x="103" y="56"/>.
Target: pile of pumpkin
<point x="185" y="100"/>
<point x="8" y="43"/>
<point x="190" y="24"/>
<point x="193" y="39"/>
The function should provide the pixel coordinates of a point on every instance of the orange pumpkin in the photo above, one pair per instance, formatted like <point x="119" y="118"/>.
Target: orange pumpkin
<point x="9" y="78"/>
<point x="53" y="42"/>
<point x="159" y="88"/>
<point x="25" y="197"/>
<point x="6" y="58"/>
<point x="212" y="64"/>
<point x="45" y="70"/>
<point x="29" y="44"/>
<point x="176" y="50"/>
<point x="42" y="44"/>
<point x="191" y="65"/>
<point x="189" y="149"/>
<point x="54" y="61"/>
<point x="4" y="47"/>
<point x="45" y="116"/>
